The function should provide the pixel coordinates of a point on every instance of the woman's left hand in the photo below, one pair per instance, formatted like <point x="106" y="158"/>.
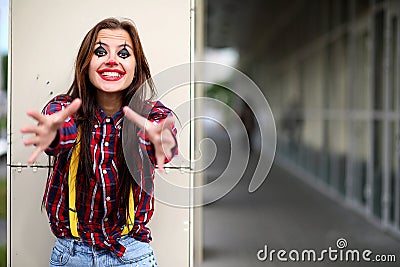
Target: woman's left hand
<point x="160" y="135"/>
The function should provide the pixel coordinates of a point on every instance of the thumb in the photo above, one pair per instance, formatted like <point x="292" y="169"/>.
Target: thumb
<point x="71" y="109"/>
<point x="135" y="117"/>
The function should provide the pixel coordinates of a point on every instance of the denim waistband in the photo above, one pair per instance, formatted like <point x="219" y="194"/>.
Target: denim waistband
<point x="76" y="245"/>
<point x="137" y="253"/>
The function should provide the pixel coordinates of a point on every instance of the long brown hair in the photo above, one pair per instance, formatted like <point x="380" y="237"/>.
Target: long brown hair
<point x="82" y="88"/>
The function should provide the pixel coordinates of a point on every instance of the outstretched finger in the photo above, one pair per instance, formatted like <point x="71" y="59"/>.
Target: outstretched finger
<point x="32" y="141"/>
<point x="160" y="157"/>
<point x="36" y="115"/>
<point x="34" y="155"/>
<point x="133" y="116"/>
<point x="29" y="129"/>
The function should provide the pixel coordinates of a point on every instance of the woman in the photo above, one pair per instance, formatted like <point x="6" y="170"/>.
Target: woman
<point x="97" y="209"/>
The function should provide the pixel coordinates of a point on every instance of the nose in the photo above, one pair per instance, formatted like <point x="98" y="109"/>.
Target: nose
<point x="112" y="62"/>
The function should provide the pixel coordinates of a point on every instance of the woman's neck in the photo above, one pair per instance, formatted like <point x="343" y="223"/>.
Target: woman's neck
<point x="110" y="103"/>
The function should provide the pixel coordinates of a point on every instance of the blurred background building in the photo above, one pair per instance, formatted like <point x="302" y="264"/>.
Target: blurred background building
<point x="330" y="72"/>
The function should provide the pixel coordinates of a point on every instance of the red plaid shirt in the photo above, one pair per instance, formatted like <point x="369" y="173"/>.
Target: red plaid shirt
<point x="100" y="221"/>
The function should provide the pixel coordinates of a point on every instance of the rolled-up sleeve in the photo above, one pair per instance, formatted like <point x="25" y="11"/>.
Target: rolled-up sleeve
<point x="67" y="134"/>
<point x="158" y="114"/>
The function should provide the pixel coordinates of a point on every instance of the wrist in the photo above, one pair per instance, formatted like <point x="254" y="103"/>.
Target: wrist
<point x="56" y="140"/>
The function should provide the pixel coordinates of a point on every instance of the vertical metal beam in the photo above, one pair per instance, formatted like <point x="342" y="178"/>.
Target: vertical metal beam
<point x="385" y="199"/>
<point x="370" y="156"/>
<point x="349" y="191"/>
<point x="192" y="131"/>
<point x="198" y="177"/>
<point x="9" y="108"/>
<point x="395" y="146"/>
<point x="397" y="110"/>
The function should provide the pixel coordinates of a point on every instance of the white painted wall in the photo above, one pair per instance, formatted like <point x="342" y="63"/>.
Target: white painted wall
<point x="45" y="37"/>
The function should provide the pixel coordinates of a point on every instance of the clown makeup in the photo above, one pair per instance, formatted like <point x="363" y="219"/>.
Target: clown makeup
<point x="112" y="67"/>
<point x="124" y="53"/>
<point x="100" y="51"/>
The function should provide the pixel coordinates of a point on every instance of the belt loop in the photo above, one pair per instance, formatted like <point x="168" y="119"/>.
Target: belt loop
<point x="71" y="247"/>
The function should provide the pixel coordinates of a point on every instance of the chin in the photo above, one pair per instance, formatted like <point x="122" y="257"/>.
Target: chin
<point x="110" y="89"/>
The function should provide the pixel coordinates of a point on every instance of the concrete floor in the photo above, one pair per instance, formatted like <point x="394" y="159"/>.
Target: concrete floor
<point x="284" y="213"/>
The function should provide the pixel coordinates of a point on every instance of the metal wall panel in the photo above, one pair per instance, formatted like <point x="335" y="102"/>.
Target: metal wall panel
<point x="45" y="37"/>
<point x="31" y="239"/>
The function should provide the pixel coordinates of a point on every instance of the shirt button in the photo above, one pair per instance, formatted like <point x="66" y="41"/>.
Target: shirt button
<point x="105" y="219"/>
<point x="104" y="171"/>
<point x="108" y="120"/>
<point x="108" y="198"/>
<point x="106" y="144"/>
<point x="96" y="126"/>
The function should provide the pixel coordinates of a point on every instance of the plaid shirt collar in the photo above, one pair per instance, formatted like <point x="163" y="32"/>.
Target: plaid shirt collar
<point x="116" y="118"/>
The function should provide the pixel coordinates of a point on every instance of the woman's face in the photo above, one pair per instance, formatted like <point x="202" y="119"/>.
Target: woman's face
<point x="112" y="67"/>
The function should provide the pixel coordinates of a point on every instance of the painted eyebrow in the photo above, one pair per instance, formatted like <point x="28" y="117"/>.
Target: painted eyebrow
<point x="122" y="45"/>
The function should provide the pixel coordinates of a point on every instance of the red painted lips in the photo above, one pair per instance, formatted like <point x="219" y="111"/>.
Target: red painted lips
<point x="111" y="74"/>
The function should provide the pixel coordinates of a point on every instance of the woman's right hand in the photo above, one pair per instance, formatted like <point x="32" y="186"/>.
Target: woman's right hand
<point x="46" y="129"/>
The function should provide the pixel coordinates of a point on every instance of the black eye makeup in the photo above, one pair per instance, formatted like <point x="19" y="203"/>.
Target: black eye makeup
<point x="100" y="51"/>
<point x="124" y="53"/>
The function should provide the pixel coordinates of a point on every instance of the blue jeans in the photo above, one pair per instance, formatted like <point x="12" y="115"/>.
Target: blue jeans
<point x="70" y="252"/>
